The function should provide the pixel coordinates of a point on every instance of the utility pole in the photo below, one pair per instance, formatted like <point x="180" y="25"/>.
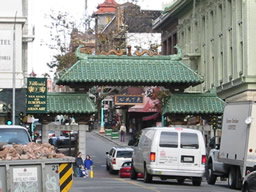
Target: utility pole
<point x="14" y="71"/>
<point x="85" y="15"/>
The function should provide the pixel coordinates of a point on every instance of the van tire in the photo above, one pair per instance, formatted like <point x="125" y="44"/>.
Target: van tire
<point x="147" y="176"/>
<point x="232" y="178"/>
<point x="211" y="178"/>
<point x="181" y="180"/>
<point x="245" y="188"/>
<point x="134" y="174"/>
<point x="196" y="181"/>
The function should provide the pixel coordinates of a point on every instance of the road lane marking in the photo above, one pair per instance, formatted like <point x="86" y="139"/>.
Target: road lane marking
<point x="137" y="184"/>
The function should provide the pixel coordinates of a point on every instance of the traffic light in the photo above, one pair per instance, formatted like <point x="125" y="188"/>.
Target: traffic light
<point x="214" y="122"/>
<point x="21" y="118"/>
<point x="8" y="119"/>
<point x="9" y="122"/>
<point x="219" y="122"/>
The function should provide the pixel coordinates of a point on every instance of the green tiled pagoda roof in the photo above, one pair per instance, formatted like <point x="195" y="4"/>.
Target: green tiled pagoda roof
<point x="69" y="103"/>
<point x="130" y="70"/>
<point x="194" y="103"/>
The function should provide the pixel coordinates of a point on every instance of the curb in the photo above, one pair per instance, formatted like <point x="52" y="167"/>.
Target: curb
<point x="109" y="139"/>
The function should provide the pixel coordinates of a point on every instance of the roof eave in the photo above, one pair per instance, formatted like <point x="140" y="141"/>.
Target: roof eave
<point x="169" y="12"/>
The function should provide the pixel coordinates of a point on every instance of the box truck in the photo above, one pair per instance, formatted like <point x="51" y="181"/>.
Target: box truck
<point x="236" y="155"/>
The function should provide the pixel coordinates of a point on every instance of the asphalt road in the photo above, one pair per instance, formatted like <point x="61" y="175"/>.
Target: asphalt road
<point x="105" y="182"/>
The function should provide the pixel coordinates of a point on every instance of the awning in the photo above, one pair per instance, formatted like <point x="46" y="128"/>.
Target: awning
<point x="150" y="117"/>
<point x="149" y="106"/>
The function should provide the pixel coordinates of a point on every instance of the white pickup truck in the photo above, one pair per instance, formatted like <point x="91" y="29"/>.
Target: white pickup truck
<point x="236" y="155"/>
<point x="14" y="134"/>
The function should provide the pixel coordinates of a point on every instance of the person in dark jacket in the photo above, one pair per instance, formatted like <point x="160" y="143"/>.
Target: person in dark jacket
<point x="79" y="164"/>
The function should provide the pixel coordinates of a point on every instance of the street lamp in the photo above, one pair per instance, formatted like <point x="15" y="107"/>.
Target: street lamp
<point x="102" y="130"/>
<point x="13" y="72"/>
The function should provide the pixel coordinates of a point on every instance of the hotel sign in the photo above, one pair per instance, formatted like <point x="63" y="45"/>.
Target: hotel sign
<point x="129" y="99"/>
<point x="37" y="95"/>
<point x="6" y="50"/>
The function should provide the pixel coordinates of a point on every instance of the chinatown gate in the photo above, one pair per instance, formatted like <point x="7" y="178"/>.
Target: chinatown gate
<point x="127" y="70"/>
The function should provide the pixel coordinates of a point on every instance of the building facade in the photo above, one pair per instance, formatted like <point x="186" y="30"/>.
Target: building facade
<point x="14" y="39"/>
<point x="217" y="39"/>
<point x="103" y="16"/>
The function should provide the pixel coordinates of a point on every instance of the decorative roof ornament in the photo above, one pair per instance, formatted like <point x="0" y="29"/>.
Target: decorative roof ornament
<point x="118" y="52"/>
<point x="32" y="74"/>
<point x="151" y="52"/>
<point x="178" y="56"/>
<point x="79" y="55"/>
<point x="148" y="52"/>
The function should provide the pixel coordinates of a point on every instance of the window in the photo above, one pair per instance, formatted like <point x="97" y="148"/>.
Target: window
<point x="111" y="152"/>
<point x="189" y="141"/>
<point x="124" y="154"/>
<point x="17" y="136"/>
<point x="168" y="139"/>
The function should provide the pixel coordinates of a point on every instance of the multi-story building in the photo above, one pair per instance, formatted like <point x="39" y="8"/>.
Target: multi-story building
<point x="14" y="39"/>
<point x="218" y="39"/>
<point x="130" y="24"/>
<point x="104" y="14"/>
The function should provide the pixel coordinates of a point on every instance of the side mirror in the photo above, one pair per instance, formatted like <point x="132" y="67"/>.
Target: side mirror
<point x="132" y="142"/>
<point x="248" y="120"/>
<point x="106" y="153"/>
<point x="217" y="146"/>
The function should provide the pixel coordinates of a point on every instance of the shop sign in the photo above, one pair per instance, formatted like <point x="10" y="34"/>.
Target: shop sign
<point x="37" y="95"/>
<point x="129" y="99"/>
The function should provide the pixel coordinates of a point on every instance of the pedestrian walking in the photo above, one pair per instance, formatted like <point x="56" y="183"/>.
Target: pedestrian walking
<point x="79" y="164"/>
<point x="122" y="132"/>
<point x="87" y="165"/>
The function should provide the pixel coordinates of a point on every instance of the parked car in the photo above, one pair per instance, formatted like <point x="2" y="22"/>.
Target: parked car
<point x="51" y="134"/>
<point x="66" y="140"/>
<point x="116" y="157"/>
<point x="170" y="152"/>
<point x="249" y="182"/>
<point x="125" y="171"/>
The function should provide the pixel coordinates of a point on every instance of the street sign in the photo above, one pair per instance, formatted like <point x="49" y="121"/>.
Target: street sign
<point x="37" y="95"/>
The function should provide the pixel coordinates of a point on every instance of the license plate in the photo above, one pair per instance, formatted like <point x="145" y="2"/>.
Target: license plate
<point x="187" y="159"/>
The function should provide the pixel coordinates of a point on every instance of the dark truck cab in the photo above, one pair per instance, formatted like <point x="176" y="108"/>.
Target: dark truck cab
<point x="14" y="134"/>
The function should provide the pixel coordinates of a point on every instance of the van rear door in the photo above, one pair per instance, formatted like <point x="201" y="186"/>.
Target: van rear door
<point x="190" y="153"/>
<point x="168" y="153"/>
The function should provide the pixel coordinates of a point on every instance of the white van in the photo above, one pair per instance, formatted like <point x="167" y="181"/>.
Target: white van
<point x="170" y="152"/>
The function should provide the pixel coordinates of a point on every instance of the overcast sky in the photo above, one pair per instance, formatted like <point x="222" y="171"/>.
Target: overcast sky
<point x="40" y="54"/>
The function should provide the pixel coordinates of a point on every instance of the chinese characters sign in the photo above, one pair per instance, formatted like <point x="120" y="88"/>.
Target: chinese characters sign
<point x="128" y="99"/>
<point x="37" y="95"/>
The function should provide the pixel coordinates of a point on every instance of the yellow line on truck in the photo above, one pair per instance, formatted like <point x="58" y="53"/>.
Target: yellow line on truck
<point x="65" y="173"/>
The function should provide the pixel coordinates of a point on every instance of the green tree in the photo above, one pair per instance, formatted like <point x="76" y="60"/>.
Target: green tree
<point x="64" y="38"/>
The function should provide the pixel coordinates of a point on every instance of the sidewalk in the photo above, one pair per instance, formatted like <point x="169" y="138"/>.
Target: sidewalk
<point x="115" y="141"/>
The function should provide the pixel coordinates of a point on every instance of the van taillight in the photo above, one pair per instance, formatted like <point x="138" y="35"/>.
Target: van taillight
<point x="152" y="157"/>
<point x="203" y="159"/>
<point x="114" y="161"/>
